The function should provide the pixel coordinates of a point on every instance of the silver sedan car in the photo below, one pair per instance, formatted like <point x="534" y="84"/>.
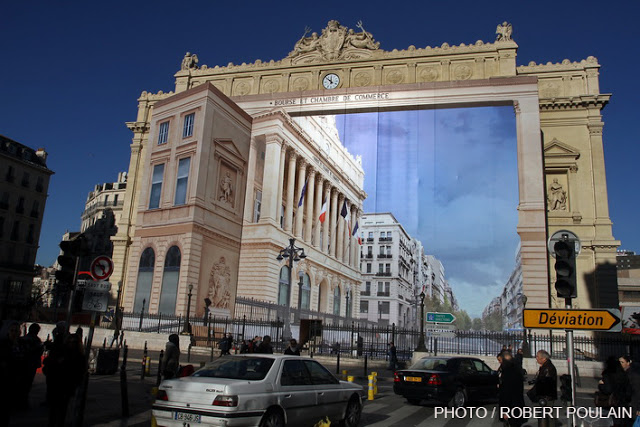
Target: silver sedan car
<point x="258" y="390"/>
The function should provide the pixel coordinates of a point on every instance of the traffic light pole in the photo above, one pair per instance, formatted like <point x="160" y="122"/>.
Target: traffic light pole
<point x="570" y="360"/>
<point x="73" y="293"/>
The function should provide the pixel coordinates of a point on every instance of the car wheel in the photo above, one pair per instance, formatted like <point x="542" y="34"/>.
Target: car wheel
<point x="414" y="401"/>
<point x="272" y="418"/>
<point x="459" y="398"/>
<point x="352" y="414"/>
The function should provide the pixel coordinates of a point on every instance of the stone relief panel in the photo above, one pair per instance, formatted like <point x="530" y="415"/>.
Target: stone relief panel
<point x="242" y="87"/>
<point x="428" y="73"/>
<point x="395" y="76"/>
<point x="549" y="89"/>
<point x="300" y="82"/>
<point x="362" y="78"/>
<point x="462" y="72"/>
<point x="219" y="284"/>
<point x="271" y="85"/>
<point x="557" y="195"/>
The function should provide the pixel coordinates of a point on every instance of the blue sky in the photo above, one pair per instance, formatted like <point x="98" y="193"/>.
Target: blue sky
<point x="72" y="71"/>
<point x="450" y="178"/>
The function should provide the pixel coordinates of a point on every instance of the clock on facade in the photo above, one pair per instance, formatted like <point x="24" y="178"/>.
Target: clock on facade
<point x="331" y="81"/>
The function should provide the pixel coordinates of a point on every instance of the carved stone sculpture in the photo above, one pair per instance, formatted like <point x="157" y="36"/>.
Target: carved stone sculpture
<point x="190" y="61"/>
<point x="557" y="199"/>
<point x="504" y="31"/>
<point x="226" y="189"/>
<point x="220" y="284"/>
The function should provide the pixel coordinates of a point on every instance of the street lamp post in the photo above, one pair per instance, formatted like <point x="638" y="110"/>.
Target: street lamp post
<point x="525" y="345"/>
<point x="293" y="254"/>
<point x="187" y="326"/>
<point x="421" y="347"/>
<point x="300" y="285"/>
<point x="347" y="296"/>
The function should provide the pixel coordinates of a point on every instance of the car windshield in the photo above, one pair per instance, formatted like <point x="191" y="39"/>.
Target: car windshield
<point x="237" y="368"/>
<point x="430" y="365"/>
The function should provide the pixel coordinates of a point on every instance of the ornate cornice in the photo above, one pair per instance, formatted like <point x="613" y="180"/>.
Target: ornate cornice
<point x="138" y="127"/>
<point x="565" y="65"/>
<point x="575" y="102"/>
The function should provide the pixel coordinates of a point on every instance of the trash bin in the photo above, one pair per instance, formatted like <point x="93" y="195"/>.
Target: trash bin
<point x="107" y="363"/>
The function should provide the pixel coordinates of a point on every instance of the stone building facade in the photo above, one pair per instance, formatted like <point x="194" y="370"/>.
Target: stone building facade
<point x="24" y="182"/>
<point x="561" y="178"/>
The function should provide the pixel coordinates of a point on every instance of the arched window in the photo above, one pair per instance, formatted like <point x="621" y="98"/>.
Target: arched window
<point x="283" y="286"/>
<point x="306" y="292"/>
<point x="170" y="276"/>
<point x="336" y="301"/>
<point x="145" y="280"/>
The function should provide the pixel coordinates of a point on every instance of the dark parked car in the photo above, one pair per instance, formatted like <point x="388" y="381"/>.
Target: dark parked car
<point x="450" y="380"/>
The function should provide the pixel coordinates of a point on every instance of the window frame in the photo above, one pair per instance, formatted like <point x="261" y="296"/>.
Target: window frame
<point x="163" y="132"/>
<point x="188" y="125"/>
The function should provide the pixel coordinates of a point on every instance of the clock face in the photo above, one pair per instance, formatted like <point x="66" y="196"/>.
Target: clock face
<point x="331" y="81"/>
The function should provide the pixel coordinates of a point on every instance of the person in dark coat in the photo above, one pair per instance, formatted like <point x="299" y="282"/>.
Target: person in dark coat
<point x="65" y="368"/>
<point x="32" y="349"/>
<point x="614" y="383"/>
<point x="11" y="368"/>
<point x="511" y="388"/>
<point x="633" y="395"/>
<point x="546" y="381"/>
<point x="265" y="346"/>
<point x="393" y="356"/>
<point x="171" y="357"/>
<point x="293" y="348"/>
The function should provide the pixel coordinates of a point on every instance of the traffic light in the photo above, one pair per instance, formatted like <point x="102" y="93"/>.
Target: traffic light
<point x="67" y="269"/>
<point x="565" y="387"/>
<point x="77" y="246"/>
<point x="565" y="268"/>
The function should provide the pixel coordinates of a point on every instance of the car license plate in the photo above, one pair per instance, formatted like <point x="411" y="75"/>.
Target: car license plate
<point x="183" y="416"/>
<point x="413" y="379"/>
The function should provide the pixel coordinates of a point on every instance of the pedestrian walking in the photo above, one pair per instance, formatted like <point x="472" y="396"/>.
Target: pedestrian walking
<point x="633" y="374"/>
<point x="11" y="367"/>
<point x="545" y="385"/>
<point x="224" y="345"/>
<point x="393" y="356"/>
<point x="32" y="349"/>
<point x="613" y="388"/>
<point x="293" y="348"/>
<point x="171" y="357"/>
<point x="511" y="387"/>
<point x="65" y="368"/>
<point x="244" y="347"/>
<point x="265" y="346"/>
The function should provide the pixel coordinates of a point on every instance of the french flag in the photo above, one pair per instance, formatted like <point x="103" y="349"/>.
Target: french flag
<point x="323" y="211"/>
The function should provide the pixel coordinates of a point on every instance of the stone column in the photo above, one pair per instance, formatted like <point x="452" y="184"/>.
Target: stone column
<point x="327" y="220"/>
<point x="291" y="178"/>
<point x="283" y="155"/>
<point x="318" y="206"/>
<point x="299" y="209"/>
<point x="340" y="233"/>
<point x="308" y="201"/>
<point x="249" y="197"/>
<point x="270" y="179"/>
<point x="332" y="221"/>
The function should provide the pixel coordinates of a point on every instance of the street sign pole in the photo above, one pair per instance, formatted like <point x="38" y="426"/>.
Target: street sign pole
<point x="572" y="371"/>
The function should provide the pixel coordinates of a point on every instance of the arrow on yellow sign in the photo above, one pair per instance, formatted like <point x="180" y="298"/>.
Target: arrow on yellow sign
<point x="590" y="320"/>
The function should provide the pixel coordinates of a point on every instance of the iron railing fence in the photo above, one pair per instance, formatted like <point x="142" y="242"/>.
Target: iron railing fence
<point x="356" y="338"/>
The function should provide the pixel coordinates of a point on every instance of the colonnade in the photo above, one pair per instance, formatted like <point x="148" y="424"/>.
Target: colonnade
<point x="301" y="217"/>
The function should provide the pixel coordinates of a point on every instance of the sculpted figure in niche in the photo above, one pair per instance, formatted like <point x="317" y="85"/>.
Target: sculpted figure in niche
<point x="189" y="61"/>
<point x="305" y="44"/>
<point x="363" y="40"/>
<point x="226" y="188"/>
<point x="503" y="32"/>
<point x="557" y="196"/>
<point x="220" y="284"/>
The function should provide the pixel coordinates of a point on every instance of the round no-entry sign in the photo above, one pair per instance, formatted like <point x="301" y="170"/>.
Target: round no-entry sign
<point x="101" y="268"/>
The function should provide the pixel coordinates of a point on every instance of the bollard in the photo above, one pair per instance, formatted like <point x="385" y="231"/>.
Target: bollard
<point x="104" y="343"/>
<point x="147" y="366"/>
<point x="144" y="361"/>
<point x="338" y="364"/>
<point x="351" y="378"/>
<point x="189" y="353"/>
<point x="365" y="365"/>
<point x="159" y="375"/>
<point x="344" y="374"/>
<point x="124" y="393"/>
<point x="375" y="382"/>
<point x="370" y="392"/>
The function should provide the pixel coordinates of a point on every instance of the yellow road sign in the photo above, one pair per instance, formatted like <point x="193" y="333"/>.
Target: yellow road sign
<point x="591" y="320"/>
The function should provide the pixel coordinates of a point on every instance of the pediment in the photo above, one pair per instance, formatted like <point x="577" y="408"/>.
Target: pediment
<point x="229" y="146"/>
<point x="559" y="150"/>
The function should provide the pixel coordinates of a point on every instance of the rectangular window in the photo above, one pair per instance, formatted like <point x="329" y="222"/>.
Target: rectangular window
<point x="182" y="181"/>
<point x="39" y="184"/>
<point x="388" y="268"/>
<point x="380" y="287"/>
<point x="187" y="130"/>
<point x="156" y="186"/>
<point x="257" y="206"/>
<point x="364" y="306"/>
<point x="368" y="267"/>
<point x="106" y="200"/>
<point x="20" y="206"/>
<point x="384" y="307"/>
<point x="387" y="287"/>
<point x="25" y="179"/>
<point x="163" y="133"/>
<point x="380" y="268"/>
<point x="115" y="200"/>
<point x="4" y="202"/>
<point x="30" y="234"/>
<point x="15" y="231"/>
<point x="35" y="209"/>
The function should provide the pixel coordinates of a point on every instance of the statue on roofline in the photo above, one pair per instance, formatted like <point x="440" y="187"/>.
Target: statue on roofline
<point x="504" y="31"/>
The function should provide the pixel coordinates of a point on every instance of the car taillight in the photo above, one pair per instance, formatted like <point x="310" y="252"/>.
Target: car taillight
<point x="228" y="401"/>
<point x="396" y="377"/>
<point x="162" y="395"/>
<point x="434" y="380"/>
